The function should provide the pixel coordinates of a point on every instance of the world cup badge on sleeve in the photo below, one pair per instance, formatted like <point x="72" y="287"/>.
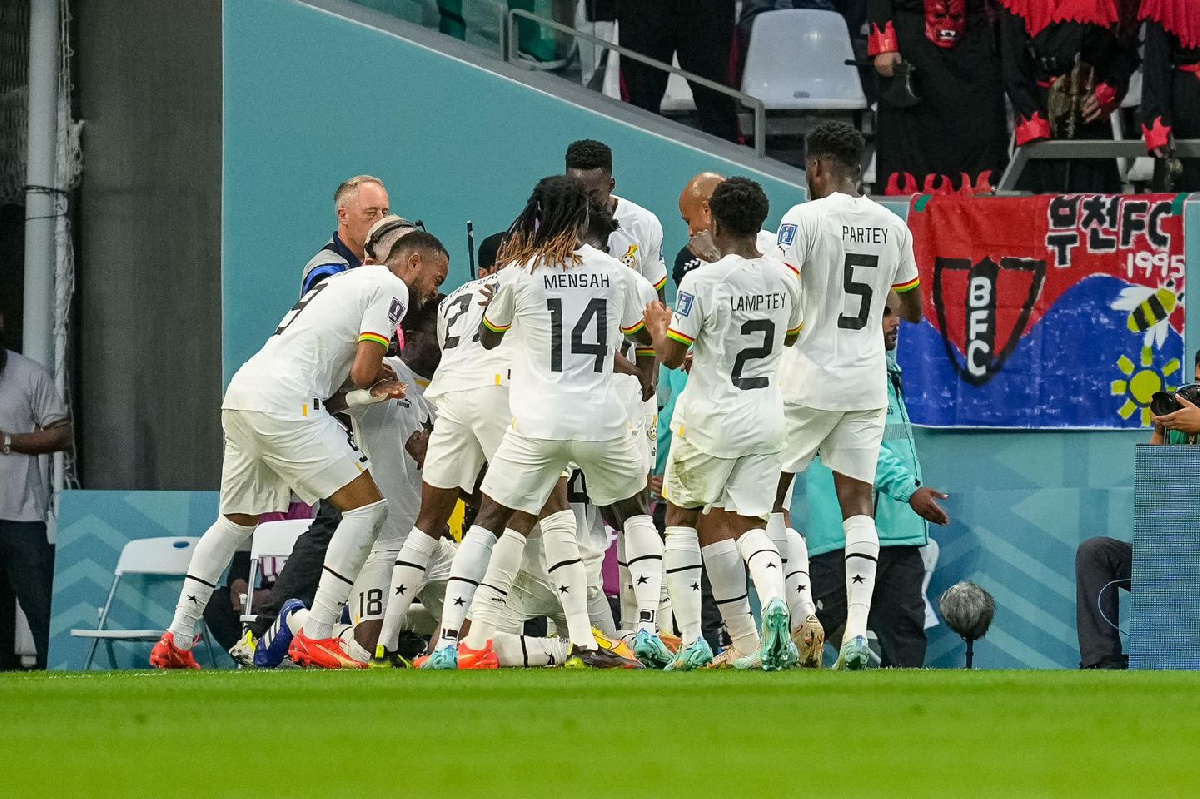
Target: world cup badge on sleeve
<point x="396" y="312"/>
<point x="683" y="303"/>
<point x="787" y="234"/>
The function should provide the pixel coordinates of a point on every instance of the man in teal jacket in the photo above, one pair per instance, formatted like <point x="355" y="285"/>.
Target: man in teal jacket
<point x="903" y="508"/>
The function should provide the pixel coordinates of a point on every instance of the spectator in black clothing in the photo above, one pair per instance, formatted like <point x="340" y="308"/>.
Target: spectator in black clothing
<point x="1171" y="83"/>
<point x="1066" y="66"/>
<point x="701" y="32"/>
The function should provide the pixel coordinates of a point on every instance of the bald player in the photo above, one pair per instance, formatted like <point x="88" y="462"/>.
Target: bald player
<point x="695" y="208"/>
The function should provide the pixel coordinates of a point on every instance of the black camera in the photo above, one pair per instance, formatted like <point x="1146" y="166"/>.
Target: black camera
<point x="1164" y="402"/>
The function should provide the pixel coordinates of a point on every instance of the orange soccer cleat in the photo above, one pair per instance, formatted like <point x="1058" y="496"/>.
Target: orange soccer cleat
<point x="325" y="653"/>
<point x="485" y="658"/>
<point x="166" y="655"/>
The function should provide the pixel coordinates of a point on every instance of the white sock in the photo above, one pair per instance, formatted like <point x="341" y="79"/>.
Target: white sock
<point x="628" y="600"/>
<point x="681" y="557"/>
<point x="727" y="574"/>
<point x="350" y="645"/>
<point x="763" y="561"/>
<point x="797" y="583"/>
<point x="212" y="554"/>
<point x="862" y="559"/>
<point x="408" y="577"/>
<point x="777" y="532"/>
<point x="466" y="571"/>
<point x="599" y="611"/>
<point x="524" y="651"/>
<point x="494" y="588"/>
<point x="296" y="620"/>
<point x="644" y="549"/>
<point x="348" y="551"/>
<point x="565" y="569"/>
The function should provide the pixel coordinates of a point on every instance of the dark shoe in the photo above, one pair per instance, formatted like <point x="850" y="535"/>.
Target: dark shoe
<point x="599" y="658"/>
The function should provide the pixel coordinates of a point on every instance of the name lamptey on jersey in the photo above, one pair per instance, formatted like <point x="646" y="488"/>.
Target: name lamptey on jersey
<point x="465" y="363"/>
<point x="849" y="252"/>
<point x="308" y="357"/>
<point x="735" y="315"/>
<point x="568" y="323"/>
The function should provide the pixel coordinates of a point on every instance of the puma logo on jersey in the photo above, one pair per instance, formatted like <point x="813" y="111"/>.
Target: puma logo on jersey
<point x="630" y="255"/>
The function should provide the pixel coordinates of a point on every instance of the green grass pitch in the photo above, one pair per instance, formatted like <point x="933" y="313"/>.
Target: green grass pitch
<point x="556" y="733"/>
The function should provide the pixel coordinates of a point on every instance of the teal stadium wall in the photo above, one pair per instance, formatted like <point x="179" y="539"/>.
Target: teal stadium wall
<point x="311" y="98"/>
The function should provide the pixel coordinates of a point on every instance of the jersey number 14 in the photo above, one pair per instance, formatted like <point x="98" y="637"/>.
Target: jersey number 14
<point x="596" y="309"/>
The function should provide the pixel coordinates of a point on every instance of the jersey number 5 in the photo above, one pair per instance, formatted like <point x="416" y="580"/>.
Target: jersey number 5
<point x="861" y="290"/>
<point x="597" y="308"/>
<point x="767" y="328"/>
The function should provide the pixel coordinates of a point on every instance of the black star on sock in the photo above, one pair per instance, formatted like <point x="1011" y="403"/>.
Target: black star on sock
<point x="858" y="578"/>
<point x="695" y="586"/>
<point x="401" y="589"/>
<point x="801" y="587"/>
<point x="459" y="601"/>
<point x="772" y="565"/>
<point x="192" y="599"/>
<point x="643" y="580"/>
<point x="564" y="589"/>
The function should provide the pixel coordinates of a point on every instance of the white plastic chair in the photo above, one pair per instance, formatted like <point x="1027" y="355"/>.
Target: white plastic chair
<point x="271" y="540"/>
<point x="153" y="557"/>
<point x="678" y="97"/>
<point x="796" y="61"/>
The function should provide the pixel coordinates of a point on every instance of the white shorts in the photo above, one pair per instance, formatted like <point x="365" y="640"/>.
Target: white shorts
<point x="470" y="425"/>
<point x="744" y="485"/>
<point x="847" y="441"/>
<point x="266" y="458"/>
<point x="524" y="471"/>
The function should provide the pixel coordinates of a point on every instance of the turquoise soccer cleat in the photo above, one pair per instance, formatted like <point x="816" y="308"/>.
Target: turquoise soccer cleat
<point x="776" y="650"/>
<point x="650" y="649"/>
<point x="855" y="654"/>
<point x="696" y="656"/>
<point x="445" y="658"/>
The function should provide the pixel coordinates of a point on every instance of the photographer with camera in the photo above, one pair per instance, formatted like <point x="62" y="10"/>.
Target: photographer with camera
<point x="1103" y="564"/>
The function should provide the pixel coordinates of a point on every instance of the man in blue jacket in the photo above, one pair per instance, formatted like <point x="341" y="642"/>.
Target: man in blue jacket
<point x="903" y="508"/>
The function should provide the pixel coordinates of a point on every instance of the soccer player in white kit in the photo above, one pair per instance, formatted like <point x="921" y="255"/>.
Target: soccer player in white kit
<point x="570" y="304"/>
<point x="736" y="315"/>
<point x="849" y="251"/>
<point x="470" y="391"/>
<point x="278" y="438"/>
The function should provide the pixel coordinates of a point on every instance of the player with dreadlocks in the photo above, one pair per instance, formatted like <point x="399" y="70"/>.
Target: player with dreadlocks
<point x="570" y="304"/>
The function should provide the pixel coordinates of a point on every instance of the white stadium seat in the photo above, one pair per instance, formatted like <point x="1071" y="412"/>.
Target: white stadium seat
<point x="271" y="540"/>
<point x="796" y="62"/>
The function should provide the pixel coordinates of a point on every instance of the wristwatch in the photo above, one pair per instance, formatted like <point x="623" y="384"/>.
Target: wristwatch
<point x="6" y="445"/>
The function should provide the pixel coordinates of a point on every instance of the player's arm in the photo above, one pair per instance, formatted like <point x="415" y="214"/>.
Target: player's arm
<point x="497" y="317"/>
<point x="383" y="390"/>
<point x="657" y="276"/>
<point x="673" y="333"/>
<point x="795" y="321"/>
<point x="908" y="282"/>
<point x="379" y="323"/>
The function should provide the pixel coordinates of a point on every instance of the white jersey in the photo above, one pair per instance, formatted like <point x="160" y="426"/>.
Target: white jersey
<point x="382" y="430"/>
<point x="308" y="357"/>
<point x="768" y="243"/>
<point x="630" y="386"/>
<point x="465" y="363"/>
<point x="735" y="315"/>
<point x="568" y="323"/>
<point x="637" y="242"/>
<point x="850" y="251"/>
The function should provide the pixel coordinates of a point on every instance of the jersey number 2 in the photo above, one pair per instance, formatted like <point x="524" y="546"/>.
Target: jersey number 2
<point x="861" y="290"/>
<point x="597" y="308"/>
<point x="767" y="328"/>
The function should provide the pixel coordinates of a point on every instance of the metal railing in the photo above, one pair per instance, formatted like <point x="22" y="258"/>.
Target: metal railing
<point x="510" y="47"/>
<point x="1076" y="149"/>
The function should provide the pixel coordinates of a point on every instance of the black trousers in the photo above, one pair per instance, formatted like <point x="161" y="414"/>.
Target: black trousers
<point x="897" y="606"/>
<point x="701" y="31"/>
<point x="1102" y="565"/>
<point x="302" y="571"/>
<point x="28" y="561"/>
